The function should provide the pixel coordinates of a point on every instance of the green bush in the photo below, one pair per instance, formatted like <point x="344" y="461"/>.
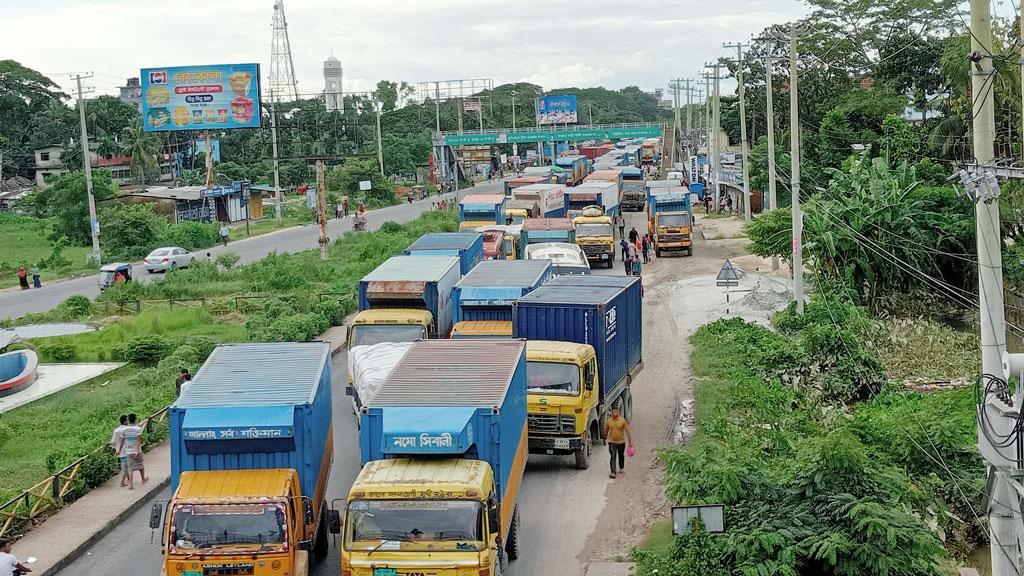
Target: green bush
<point x="191" y="235"/>
<point x="202" y="345"/>
<point x="123" y="293"/>
<point x="59" y="351"/>
<point x="75" y="307"/>
<point x="333" y="311"/>
<point x="227" y="259"/>
<point x="146" y="350"/>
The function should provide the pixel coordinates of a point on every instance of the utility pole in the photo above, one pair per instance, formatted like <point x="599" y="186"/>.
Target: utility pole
<point x="515" y="146"/>
<point x="94" y="224"/>
<point x="380" y="144"/>
<point x="716" y="119"/>
<point x="772" y="202"/>
<point x="689" y="120"/>
<point x="321" y="210"/>
<point x="674" y="84"/>
<point x="437" y="105"/>
<point x="794" y="151"/>
<point x="744" y="148"/>
<point x="277" y="161"/>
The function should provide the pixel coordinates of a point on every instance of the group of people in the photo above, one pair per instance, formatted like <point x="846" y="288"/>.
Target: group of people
<point x="127" y="444"/>
<point x="23" y="275"/>
<point x="636" y="250"/>
<point x="442" y="205"/>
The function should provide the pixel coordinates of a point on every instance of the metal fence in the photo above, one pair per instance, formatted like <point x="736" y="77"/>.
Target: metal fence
<point x="41" y="500"/>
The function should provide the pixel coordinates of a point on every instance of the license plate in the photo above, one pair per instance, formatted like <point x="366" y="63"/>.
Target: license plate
<point x="194" y="573"/>
<point x="562" y="443"/>
<point x="385" y="572"/>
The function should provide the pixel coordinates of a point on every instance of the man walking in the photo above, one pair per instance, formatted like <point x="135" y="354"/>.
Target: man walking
<point x="621" y="223"/>
<point x="115" y="443"/>
<point x="35" y="277"/>
<point x="631" y="258"/>
<point x="633" y="235"/>
<point x="131" y="448"/>
<point x="224" y="232"/>
<point x="9" y="565"/>
<point x="616" y="437"/>
<point x="344" y="208"/>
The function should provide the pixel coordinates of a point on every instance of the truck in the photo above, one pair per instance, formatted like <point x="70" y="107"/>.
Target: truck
<point x="576" y="165"/>
<point x="545" y="230"/>
<point x="443" y="449"/>
<point x="584" y="348"/>
<point x="488" y="292"/>
<point x="467" y="246"/>
<point x="251" y="451"/>
<point x="596" y="151"/>
<point x="404" y="299"/>
<point x="565" y="258"/>
<point x="549" y="197"/>
<point x="670" y="220"/>
<point x="521" y="209"/>
<point x="510" y="240"/>
<point x="606" y="175"/>
<point x="482" y="330"/>
<point x="651" y="151"/>
<point x="476" y="210"/>
<point x="634" y="189"/>
<point x="369" y="366"/>
<point x="595" y="235"/>
<point x="527" y="179"/>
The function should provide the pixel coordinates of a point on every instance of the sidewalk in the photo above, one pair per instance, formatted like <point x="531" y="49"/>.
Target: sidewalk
<point x="67" y="534"/>
<point x="63" y="537"/>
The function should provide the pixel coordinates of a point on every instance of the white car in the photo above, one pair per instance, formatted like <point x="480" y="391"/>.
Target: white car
<point x="164" y="259"/>
<point x="565" y="258"/>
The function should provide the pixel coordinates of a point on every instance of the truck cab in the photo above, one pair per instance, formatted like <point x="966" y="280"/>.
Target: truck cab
<point x="596" y="236"/>
<point x="562" y="398"/>
<point x="670" y="221"/>
<point x="482" y="329"/>
<point x="249" y="522"/>
<point x="519" y="210"/>
<point x="389" y="325"/>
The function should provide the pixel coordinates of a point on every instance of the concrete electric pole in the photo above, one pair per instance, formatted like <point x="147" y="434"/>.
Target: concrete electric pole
<point x="277" y="162"/>
<point x="94" y="223"/>
<point x="744" y="148"/>
<point x="321" y="210"/>
<point x="380" y="144"/>
<point x="794" y="151"/>
<point x="716" y="120"/>
<point x="772" y="201"/>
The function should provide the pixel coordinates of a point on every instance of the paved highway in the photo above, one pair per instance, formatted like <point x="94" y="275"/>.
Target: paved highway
<point x="15" y="302"/>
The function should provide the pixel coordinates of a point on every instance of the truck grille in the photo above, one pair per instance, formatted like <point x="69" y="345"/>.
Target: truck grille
<point x="674" y="237"/>
<point x="551" y="423"/>
<point x="593" y="249"/>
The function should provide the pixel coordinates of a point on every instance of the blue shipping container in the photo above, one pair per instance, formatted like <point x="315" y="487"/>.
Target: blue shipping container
<point x="257" y="406"/>
<point x="672" y="202"/>
<point x="607" y="314"/>
<point x="413" y="283"/>
<point x="468" y="246"/>
<point x="490" y="290"/>
<point x="459" y="398"/>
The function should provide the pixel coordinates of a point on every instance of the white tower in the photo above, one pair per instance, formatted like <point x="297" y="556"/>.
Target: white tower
<point x="332" y="84"/>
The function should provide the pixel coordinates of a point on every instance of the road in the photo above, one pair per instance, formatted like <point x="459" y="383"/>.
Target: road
<point x="561" y="508"/>
<point x="15" y="303"/>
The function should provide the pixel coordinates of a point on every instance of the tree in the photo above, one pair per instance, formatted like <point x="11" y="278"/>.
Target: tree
<point x="130" y="231"/>
<point x="898" y="142"/>
<point x="387" y="95"/>
<point x="345" y="180"/>
<point x="142" y="147"/>
<point x="66" y="202"/>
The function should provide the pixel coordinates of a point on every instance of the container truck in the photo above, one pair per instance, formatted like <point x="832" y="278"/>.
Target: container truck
<point x="510" y="239"/>
<point x="651" y="151"/>
<point x="670" y="220"/>
<point x="467" y="246"/>
<point x="575" y="165"/>
<point x="538" y="230"/>
<point x="595" y="235"/>
<point x="476" y="210"/>
<point x="527" y="179"/>
<point x="565" y="258"/>
<point x="606" y="175"/>
<point x="549" y="197"/>
<point x="488" y="292"/>
<point x="519" y="210"/>
<point x="482" y="330"/>
<point x="494" y="244"/>
<point x="634" y="189"/>
<point x="584" y="348"/>
<point x="369" y="366"/>
<point x="443" y="447"/>
<point x="251" y="452"/>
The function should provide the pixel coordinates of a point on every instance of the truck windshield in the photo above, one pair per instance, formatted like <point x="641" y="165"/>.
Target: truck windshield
<point x="369" y="523"/>
<point x="370" y="334"/>
<point x="196" y="526"/>
<point x="674" y="220"/>
<point x="507" y="245"/>
<point x="552" y="378"/>
<point x="591" y="230"/>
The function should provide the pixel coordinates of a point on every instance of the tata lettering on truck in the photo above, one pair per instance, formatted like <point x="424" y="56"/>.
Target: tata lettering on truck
<point x="670" y="220"/>
<point x="443" y="448"/>
<point x="477" y="210"/>
<point x="251" y="452"/>
<point x="584" y="347"/>
<point x="467" y="246"/>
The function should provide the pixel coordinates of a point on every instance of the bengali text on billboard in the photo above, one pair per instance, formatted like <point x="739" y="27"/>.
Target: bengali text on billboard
<point x="556" y="110"/>
<point x="212" y="97"/>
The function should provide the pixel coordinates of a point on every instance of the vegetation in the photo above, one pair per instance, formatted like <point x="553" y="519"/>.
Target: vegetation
<point x="26" y="241"/>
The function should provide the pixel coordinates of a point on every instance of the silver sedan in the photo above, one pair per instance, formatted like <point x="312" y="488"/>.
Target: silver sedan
<point x="164" y="259"/>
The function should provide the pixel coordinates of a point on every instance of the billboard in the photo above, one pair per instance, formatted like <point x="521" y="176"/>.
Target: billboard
<point x="471" y="105"/>
<point x="212" y="97"/>
<point x="556" y="110"/>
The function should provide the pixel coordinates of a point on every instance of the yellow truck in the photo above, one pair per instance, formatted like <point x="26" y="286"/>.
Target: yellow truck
<point x="595" y="235"/>
<point x="482" y="329"/>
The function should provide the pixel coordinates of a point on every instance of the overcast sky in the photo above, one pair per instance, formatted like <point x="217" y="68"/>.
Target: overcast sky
<point x="554" y="43"/>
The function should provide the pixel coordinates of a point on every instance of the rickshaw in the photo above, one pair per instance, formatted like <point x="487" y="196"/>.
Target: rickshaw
<point x="115" y="273"/>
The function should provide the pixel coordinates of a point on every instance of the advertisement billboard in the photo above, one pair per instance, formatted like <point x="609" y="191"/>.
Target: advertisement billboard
<point x="214" y="97"/>
<point x="471" y="105"/>
<point x="556" y="110"/>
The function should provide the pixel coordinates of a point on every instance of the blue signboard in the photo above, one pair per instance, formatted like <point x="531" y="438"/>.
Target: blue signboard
<point x="556" y="110"/>
<point x="201" y="97"/>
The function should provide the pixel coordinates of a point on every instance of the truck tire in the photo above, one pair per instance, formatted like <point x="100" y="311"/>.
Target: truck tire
<point x="583" y="453"/>
<point x="321" y="541"/>
<point x="657" y="252"/>
<point x="627" y="404"/>
<point x="512" y="542"/>
<point x="689" y="251"/>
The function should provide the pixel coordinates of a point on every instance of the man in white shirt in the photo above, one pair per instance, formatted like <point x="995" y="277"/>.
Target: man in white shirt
<point x="115" y="443"/>
<point x="9" y="565"/>
<point x="131" y="448"/>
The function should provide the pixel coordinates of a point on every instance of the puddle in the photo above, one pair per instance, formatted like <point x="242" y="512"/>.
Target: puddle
<point x="47" y="330"/>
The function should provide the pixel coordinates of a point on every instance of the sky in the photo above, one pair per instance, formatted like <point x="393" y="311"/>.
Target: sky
<point x="553" y="43"/>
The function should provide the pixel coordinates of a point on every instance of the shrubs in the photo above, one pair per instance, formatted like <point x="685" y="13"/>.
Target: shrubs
<point x="59" y="351"/>
<point x="146" y="350"/>
<point x="191" y="235"/>
<point x="75" y="307"/>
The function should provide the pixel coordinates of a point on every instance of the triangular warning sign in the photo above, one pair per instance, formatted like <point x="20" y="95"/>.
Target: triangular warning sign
<point x="728" y="275"/>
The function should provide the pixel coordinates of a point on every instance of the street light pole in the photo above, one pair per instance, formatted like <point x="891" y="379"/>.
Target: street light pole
<point x="94" y="224"/>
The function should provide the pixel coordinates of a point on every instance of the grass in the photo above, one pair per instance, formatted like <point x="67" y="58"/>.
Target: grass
<point x="24" y="242"/>
<point x="660" y="539"/>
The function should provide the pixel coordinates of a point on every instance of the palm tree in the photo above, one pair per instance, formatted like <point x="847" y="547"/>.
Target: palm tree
<point x="108" y="147"/>
<point x="143" y="148"/>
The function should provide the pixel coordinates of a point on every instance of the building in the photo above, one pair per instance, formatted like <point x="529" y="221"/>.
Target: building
<point x="49" y="165"/>
<point x="332" y="85"/>
<point x="131" y="93"/>
<point x="234" y="203"/>
<point x="12" y="190"/>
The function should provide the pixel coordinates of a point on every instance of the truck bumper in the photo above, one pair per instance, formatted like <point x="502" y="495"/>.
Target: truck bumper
<point x="602" y="257"/>
<point x="554" y="444"/>
<point x="669" y="246"/>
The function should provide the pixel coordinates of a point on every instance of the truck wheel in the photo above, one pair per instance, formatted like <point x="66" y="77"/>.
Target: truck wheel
<point x="320" y="544"/>
<point x="627" y="404"/>
<point x="512" y="542"/>
<point x="657" y="252"/>
<point x="583" y="453"/>
<point x="689" y="251"/>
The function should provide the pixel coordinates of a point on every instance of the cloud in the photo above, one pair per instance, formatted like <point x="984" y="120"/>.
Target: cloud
<point x="578" y="74"/>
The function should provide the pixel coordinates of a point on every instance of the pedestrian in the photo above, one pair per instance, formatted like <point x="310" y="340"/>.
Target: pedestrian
<point x="617" y="437"/>
<point x="224" y="232"/>
<point x="337" y="211"/>
<point x="624" y="244"/>
<point x="621" y="223"/>
<point x="645" y="247"/>
<point x="633" y="235"/>
<point x="9" y="565"/>
<point x="115" y="443"/>
<point x="209" y="257"/>
<point x="631" y="262"/>
<point x="35" y="277"/>
<point x="131" y="448"/>
<point x="23" y="278"/>
<point x="183" y="378"/>
<point x="344" y="208"/>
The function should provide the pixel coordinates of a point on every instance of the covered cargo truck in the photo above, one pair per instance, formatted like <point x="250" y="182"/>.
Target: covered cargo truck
<point x="670" y="220"/>
<point x="443" y="447"/>
<point x="404" y="299"/>
<point x="585" y="346"/>
<point x="576" y="167"/>
<point x="477" y="210"/>
<point x="251" y="452"/>
<point x="490" y="290"/>
<point x="537" y="230"/>
<point x="595" y="234"/>
<point x="634" y="189"/>
<point x="467" y="246"/>
<point x="526" y="179"/>
<point x="549" y="197"/>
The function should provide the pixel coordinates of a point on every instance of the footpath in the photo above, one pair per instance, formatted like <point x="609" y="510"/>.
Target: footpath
<point x="68" y="534"/>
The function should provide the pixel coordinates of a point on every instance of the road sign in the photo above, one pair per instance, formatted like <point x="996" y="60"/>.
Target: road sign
<point x="563" y="135"/>
<point x="365" y="184"/>
<point x="712" y="517"/>
<point x="728" y="275"/>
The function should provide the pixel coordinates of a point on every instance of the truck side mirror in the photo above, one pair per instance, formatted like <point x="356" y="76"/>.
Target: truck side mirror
<point x="155" y="515"/>
<point x="493" y="516"/>
<point x="334" y="521"/>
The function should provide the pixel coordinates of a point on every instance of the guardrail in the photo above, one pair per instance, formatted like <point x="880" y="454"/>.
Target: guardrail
<point x="66" y="486"/>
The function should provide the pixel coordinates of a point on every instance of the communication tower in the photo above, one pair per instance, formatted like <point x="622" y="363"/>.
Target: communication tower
<point x="283" y="86"/>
